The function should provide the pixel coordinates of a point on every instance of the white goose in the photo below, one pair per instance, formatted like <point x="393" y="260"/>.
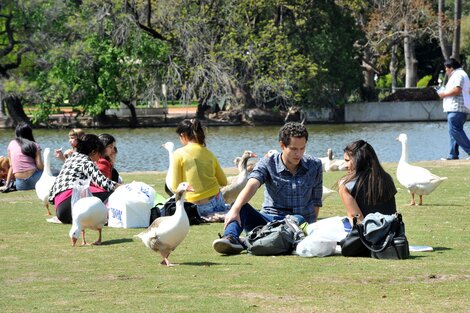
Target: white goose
<point x="46" y="181"/>
<point x="170" y="147"/>
<point x="329" y="164"/>
<point x="231" y="191"/>
<point x="417" y="180"/>
<point x="88" y="212"/>
<point x="167" y="232"/>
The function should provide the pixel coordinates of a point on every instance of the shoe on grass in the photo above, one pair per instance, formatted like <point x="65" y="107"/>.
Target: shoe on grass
<point x="228" y="245"/>
<point x="449" y="159"/>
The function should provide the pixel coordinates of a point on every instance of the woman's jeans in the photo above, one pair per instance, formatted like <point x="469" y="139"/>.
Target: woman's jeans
<point x="455" y="122"/>
<point x="28" y="183"/>
<point x="250" y="218"/>
<point x="215" y="205"/>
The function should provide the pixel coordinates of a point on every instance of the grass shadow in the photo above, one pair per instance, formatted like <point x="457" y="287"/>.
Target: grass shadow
<point x="116" y="241"/>
<point x="441" y="248"/>
<point x="210" y="263"/>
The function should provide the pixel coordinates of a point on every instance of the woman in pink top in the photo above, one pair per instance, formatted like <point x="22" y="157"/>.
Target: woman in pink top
<point x="25" y="159"/>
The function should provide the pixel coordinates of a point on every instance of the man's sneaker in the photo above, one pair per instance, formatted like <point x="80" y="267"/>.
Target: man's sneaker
<point x="448" y="159"/>
<point x="228" y="245"/>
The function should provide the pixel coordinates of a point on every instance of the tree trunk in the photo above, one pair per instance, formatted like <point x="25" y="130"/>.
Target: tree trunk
<point x="457" y="23"/>
<point x="133" y="123"/>
<point x="393" y="66"/>
<point x="442" y="34"/>
<point x="410" y="62"/>
<point x="15" y="110"/>
<point x="243" y="95"/>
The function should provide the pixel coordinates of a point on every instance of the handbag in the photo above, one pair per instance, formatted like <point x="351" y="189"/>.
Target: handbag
<point x="352" y="244"/>
<point x="389" y="241"/>
<point x="394" y="246"/>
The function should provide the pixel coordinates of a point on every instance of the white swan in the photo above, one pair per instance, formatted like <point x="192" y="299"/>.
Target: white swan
<point x="88" y="212"/>
<point x="417" y="180"/>
<point x="170" y="147"/>
<point x="167" y="232"/>
<point x="231" y="191"/>
<point x="46" y="181"/>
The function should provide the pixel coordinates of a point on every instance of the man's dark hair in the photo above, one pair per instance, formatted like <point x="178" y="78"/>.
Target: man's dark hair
<point x="292" y="129"/>
<point x="453" y="63"/>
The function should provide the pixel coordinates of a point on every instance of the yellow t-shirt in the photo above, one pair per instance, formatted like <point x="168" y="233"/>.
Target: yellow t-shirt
<point x="199" y="167"/>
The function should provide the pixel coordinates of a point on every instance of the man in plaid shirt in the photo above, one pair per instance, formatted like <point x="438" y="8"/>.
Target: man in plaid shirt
<point x="293" y="186"/>
<point x="455" y="107"/>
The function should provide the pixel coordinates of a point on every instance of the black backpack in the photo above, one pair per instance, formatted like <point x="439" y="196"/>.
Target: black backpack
<point x="169" y="208"/>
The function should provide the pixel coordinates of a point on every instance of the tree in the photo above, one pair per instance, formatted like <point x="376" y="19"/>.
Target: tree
<point x="444" y="29"/>
<point x="404" y="20"/>
<point x="256" y="53"/>
<point x="90" y="55"/>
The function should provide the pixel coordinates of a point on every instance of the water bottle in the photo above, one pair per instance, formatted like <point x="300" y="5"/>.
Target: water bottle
<point x="440" y="80"/>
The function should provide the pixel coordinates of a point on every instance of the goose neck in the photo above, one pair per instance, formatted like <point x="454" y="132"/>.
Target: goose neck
<point x="404" y="152"/>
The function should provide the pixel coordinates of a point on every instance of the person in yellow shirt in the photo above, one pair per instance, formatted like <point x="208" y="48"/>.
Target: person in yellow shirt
<point x="197" y="165"/>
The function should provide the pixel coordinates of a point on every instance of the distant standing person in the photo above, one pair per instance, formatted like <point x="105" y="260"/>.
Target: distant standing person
<point x="25" y="159"/>
<point x="456" y="103"/>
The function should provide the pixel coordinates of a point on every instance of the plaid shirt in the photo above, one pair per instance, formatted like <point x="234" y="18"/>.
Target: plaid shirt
<point x="455" y="103"/>
<point x="285" y="193"/>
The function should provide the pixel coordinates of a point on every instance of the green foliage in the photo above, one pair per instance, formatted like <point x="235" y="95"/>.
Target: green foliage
<point x="423" y="82"/>
<point x="385" y="81"/>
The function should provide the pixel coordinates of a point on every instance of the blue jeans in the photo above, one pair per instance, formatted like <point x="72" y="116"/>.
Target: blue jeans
<point x="28" y="183"/>
<point x="250" y="218"/>
<point x="215" y="205"/>
<point x="455" y="122"/>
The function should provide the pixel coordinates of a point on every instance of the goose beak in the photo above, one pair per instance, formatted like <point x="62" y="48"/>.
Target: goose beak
<point x="253" y="155"/>
<point x="190" y="188"/>
<point x="74" y="241"/>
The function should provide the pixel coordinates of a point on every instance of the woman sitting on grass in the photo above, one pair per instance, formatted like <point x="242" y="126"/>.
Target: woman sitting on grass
<point x="366" y="188"/>
<point x="25" y="159"/>
<point x="80" y="165"/>
<point x="108" y="159"/>
<point x="195" y="164"/>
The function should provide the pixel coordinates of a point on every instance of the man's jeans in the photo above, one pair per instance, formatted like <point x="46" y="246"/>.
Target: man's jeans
<point x="455" y="122"/>
<point x="250" y="218"/>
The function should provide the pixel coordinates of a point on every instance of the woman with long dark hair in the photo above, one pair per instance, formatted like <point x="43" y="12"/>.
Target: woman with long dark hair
<point x="367" y="187"/>
<point x="108" y="159"/>
<point x="25" y="159"/>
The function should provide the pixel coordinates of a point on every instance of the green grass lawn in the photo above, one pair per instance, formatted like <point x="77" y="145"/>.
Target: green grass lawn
<point x="41" y="272"/>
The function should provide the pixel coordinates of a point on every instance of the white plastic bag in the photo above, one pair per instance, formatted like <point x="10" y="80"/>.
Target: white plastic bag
<point x="129" y="205"/>
<point x="81" y="189"/>
<point x="331" y="228"/>
<point x="313" y="246"/>
<point x="322" y="237"/>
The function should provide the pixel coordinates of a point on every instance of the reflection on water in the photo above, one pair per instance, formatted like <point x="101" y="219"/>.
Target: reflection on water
<point x="140" y="149"/>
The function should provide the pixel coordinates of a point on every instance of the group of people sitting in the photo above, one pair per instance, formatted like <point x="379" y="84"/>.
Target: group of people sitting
<point x="292" y="179"/>
<point x="89" y="157"/>
<point x="293" y="183"/>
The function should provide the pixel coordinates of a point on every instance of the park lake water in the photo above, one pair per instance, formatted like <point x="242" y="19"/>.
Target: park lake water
<point x="141" y="150"/>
